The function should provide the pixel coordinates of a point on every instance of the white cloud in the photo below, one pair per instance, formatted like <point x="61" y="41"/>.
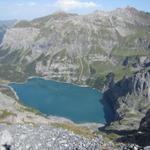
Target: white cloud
<point x="74" y="4"/>
<point x="33" y="9"/>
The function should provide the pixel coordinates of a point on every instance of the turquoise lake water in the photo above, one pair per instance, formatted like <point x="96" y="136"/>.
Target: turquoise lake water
<point x="79" y="104"/>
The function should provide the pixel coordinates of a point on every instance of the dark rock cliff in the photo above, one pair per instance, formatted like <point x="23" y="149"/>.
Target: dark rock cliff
<point x="145" y="123"/>
<point x="4" y="25"/>
<point x="129" y="97"/>
<point x="142" y="136"/>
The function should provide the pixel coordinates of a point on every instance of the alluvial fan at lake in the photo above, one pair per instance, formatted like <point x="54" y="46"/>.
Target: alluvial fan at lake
<point x="79" y="104"/>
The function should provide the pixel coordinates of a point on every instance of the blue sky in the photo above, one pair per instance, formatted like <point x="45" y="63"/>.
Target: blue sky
<point x="29" y="9"/>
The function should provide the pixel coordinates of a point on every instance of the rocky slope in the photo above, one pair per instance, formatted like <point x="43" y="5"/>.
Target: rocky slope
<point x="25" y="137"/>
<point x="75" y="48"/>
<point x="4" y="25"/>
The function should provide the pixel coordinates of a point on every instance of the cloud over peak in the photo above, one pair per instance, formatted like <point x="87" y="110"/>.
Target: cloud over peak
<point x="29" y="9"/>
<point x="74" y="4"/>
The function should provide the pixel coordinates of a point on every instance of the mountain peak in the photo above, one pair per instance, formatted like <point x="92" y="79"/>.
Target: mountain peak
<point x="62" y="14"/>
<point x="127" y="9"/>
<point x="130" y="8"/>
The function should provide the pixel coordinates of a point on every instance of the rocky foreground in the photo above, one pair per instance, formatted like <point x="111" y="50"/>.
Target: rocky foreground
<point x="27" y="137"/>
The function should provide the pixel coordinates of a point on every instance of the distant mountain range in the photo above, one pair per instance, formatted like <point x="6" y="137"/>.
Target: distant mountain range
<point x="76" y="48"/>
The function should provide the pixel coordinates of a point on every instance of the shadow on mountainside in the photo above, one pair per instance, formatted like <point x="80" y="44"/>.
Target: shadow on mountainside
<point x="140" y="139"/>
<point x="118" y="132"/>
<point x="129" y="136"/>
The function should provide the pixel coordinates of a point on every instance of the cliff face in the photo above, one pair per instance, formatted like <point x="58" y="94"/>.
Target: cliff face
<point x="130" y="100"/>
<point x="140" y="137"/>
<point x="144" y="137"/>
<point x="130" y="97"/>
<point x="75" y="48"/>
<point x="145" y="123"/>
<point x="4" y="25"/>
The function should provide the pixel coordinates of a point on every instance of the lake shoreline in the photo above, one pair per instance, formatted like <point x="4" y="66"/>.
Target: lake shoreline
<point x="49" y="79"/>
<point x="51" y="116"/>
<point x="58" y="118"/>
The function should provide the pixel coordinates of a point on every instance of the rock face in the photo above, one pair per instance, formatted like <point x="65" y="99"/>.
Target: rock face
<point x="144" y="137"/>
<point x="4" y="25"/>
<point x="69" y="47"/>
<point x="130" y="97"/>
<point x="145" y="123"/>
<point x="24" y="36"/>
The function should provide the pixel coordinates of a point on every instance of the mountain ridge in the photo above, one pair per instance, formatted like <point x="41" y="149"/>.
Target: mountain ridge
<point x="78" y="44"/>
